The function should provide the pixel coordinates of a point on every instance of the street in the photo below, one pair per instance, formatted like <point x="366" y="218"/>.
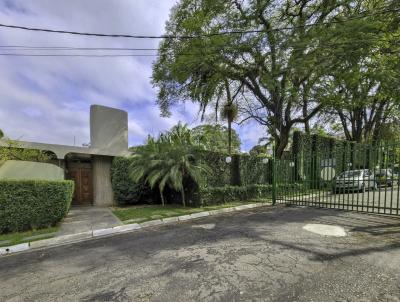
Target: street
<point x="257" y="255"/>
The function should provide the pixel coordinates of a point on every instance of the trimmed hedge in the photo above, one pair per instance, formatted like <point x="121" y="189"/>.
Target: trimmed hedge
<point x="219" y="195"/>
<point x="32" y="204"/>
<point x="125" y="190"/>
<point x="220" y="171"/>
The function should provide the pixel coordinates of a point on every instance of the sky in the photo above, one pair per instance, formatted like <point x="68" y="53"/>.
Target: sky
<point x="47" y="99"/>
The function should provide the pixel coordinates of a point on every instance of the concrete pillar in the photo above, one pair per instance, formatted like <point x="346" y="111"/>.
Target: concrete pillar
<point x="102" y="190"/>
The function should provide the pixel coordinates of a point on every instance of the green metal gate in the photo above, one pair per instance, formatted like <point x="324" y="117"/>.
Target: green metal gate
<point x="340" y="175"/>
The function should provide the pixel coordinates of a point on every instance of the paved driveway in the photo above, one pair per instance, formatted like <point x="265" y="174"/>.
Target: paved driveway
<point x="385" y="200"/>
<point x="258" y="255"/>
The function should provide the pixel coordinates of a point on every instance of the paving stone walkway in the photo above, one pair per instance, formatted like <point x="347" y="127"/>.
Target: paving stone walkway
<point x="83" y="219"/>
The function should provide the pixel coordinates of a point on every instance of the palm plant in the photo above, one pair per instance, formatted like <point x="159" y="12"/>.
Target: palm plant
<point x="229" y="113"/>
<point x="168" y="161"/>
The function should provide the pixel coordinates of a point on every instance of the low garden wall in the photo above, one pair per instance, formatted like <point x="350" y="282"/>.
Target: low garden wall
<point x="33" y="204"/>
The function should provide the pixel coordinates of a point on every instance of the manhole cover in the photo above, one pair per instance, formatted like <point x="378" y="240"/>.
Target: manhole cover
<point x="325" y="230"/>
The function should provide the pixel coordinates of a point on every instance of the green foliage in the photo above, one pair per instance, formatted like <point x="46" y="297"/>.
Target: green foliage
<point x="254" y="171"/>
<point x="219" y="195"/>
<point x="259" y="150"/>
<point x="1" y="134"/>
<point x="215" y="138"/>
<point x="14" y="152"/>
<point x="127" y="192"/>
<point x="283" y="77"/>
<point x="363" y="89"/>
<point x="220" y="171"/>
<point x="30" y="204"/>
<point x="229" y="112"/>
<point x="170" y="160"/>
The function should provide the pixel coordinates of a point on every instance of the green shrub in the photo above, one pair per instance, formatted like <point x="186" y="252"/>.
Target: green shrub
<point x="220" y="171"/>
<point x="254" y="171"/>
<point x="125" y="190"/>
<point x="219" y="195"/>
<point x="31" y="204"/>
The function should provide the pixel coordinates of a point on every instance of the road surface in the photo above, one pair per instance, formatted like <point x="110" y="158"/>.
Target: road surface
<point x="262" y="254"/>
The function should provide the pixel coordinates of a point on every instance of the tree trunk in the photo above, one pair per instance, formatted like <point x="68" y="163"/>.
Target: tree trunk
<point x="282" y="142"/>
<point x="162" y="198"/>
<point x="183" y="196"/>
<point x="307" y="122"/>
<point x="229" y="136"/>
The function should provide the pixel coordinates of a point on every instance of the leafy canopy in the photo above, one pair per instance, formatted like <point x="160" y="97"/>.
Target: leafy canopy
<point x="279" y="76"/>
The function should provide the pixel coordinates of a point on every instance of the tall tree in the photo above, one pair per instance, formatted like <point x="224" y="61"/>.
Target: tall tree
<point x="279" y="73"/>
<point x="229" y="113"/>
<point x="280" y="66"/>
<point x="364" y="91"/>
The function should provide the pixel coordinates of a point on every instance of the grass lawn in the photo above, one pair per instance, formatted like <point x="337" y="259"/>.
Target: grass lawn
<point x="29" y="236"/>
<point x="145" y="213"/>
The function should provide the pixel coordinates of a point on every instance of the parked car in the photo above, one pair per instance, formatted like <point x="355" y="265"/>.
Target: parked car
<point x="354" y="180"/>
<point x="384" y="177"/>
<point x="396" y="178"/>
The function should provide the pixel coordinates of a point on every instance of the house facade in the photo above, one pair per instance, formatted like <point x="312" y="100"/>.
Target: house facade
<point x="90" y="167"/>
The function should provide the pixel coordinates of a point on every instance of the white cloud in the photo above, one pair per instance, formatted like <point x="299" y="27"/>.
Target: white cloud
<point x="47" y="99"/>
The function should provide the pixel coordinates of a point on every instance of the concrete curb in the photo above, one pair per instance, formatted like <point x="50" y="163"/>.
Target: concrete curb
<point x="78" y="237"/>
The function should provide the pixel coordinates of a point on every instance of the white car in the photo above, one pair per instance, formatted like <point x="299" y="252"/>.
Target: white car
<point x="355" y="180"/>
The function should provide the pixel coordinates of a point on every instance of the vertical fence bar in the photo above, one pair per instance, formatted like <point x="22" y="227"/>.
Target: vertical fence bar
<point x="273" y="176"/>
<point x="376" y="153"/>
<point x="392" y="161"/>
<point x="385" y="171"/>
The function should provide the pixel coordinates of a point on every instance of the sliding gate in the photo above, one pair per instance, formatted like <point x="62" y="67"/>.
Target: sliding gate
<point x="346" y="176"/>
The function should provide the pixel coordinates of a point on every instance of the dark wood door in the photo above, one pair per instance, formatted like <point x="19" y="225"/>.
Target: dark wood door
<point x="83" y="194"/>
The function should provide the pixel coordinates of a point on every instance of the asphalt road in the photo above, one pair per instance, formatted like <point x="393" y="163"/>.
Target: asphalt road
<point x="258" y="255"/>
<point x="385" y="200"/>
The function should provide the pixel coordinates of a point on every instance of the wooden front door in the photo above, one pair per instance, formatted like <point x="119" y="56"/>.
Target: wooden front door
<point x="82" y="176"/>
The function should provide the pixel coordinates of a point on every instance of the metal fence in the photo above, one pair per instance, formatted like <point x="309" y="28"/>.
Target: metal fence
<point x="344" y="175"/>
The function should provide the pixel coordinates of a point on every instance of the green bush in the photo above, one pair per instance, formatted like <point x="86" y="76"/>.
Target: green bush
<point x="220" y="171"/>
<point x="254" y="171"/>
<point x="125" y="190"/>
<point x="219" y="195"/>
<point x="31" y="204"/>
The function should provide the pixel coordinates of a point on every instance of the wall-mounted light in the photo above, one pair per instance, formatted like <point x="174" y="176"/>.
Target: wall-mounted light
<point x="291" y="164"/>
<point x="228" y="159"/>
<point x="265" y="161"/>
<point x="349" y="165"/>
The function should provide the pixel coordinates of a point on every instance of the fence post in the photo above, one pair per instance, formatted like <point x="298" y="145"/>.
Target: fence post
<point x="273" y="176"/>
<point x="235" y="170"/>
